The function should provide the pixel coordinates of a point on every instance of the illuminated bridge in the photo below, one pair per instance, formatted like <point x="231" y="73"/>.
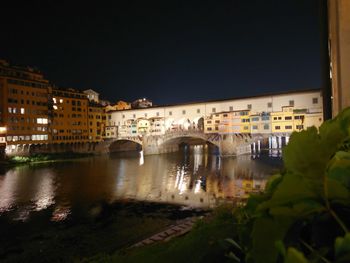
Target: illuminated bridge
<point x="233" y="126"/>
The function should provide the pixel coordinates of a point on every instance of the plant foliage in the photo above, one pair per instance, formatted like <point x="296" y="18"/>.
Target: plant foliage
<point x="304" y="213"/>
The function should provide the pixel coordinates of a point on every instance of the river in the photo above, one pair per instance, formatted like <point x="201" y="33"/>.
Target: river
<point x="61" y="211"/>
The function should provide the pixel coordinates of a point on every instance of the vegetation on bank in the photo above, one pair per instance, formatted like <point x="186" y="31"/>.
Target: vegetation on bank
<point x="40" y="158"/>
<point x="303" y="215"/>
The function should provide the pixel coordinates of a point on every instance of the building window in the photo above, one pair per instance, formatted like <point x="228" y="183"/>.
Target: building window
<point x="269" y="104"/>
<point x="255" y="127"/>
<point x="213" y="110"/>
<point x="288" y="127"/>
<point x="183" y="112"/>
<point x="249" y="106"/>
<point x="170" y="113"/>
<point x="134" y="116"/>
<point x="123" y="116"/>
<point x="300" y="127"/>
<point x="255" y="119"/>
<point x="157" y="114"/>
<point x="266" y="126"/>
<point x="291" y="103"/>
<point x="314" y="100"/>
<point x="265" y="118"/>
<point x="277" y="127"/>
<point x="209" y="129"/>
<point x="288" y="118"/>
<point x="231" y="108"/>
<point x="146" y="115"/>
<point x="198" y="110"/>
<point x="22" y="110"/>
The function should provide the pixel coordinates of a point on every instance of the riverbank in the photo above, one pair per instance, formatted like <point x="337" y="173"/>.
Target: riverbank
<point x="43" y="158"/>
<point x="104" y="229"/>
<point x="206" y="243"/>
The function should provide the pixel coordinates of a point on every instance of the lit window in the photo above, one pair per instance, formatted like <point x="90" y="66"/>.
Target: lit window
<point x="61" y="100"/>
<point x="10" y="110"/>
<point x="22" y="110"/>
<point x="14" y="110"/>
<point x="54" y="100"/>
<point x="55" y="107"/>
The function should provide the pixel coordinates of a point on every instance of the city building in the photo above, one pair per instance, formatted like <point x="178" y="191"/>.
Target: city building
<point x="97" y="121"/>
<point x="92" y="95"/>
<point x="120" y="105"/>
<point x="260" y="123"/>
<point x="69" y="116"/>
<point x="141" y="103"/>
<point x="24" y="97"/>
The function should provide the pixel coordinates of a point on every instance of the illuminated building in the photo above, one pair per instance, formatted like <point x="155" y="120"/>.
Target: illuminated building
<point x="260" y="123"/>
<point x="141" y="103"/>
<point x="69" y="123"/>
<point x="24" y="94"/>
<point x="96" y="122"/>
<point x="92" y="95"/>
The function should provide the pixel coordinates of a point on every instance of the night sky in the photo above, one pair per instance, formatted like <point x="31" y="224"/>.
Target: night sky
<point x="167" y="51"/>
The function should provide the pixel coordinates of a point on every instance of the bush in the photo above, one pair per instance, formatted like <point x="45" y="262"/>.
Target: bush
<point x="304" y="213"/>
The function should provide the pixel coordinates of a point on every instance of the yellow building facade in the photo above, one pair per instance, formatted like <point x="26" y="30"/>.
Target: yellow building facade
<point x="69" y="117"/>
<point x="24" y="94"/>
<point x="97" y="122"/>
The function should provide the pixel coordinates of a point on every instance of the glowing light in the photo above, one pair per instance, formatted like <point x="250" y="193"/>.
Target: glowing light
<point x="3" y="129"/>
<point x="142" y="160"/>
<point x="197" y="187"/>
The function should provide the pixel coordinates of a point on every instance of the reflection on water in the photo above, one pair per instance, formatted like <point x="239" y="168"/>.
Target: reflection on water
<point x="194" y="178"/>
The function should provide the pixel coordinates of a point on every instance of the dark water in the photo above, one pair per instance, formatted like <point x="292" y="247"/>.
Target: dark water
<point x="191" y="178"/>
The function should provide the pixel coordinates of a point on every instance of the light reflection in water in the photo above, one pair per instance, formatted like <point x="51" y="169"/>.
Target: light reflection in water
<point x="195" y="179"/>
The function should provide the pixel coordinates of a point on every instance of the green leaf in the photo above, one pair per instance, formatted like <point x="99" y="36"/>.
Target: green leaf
<point x="234" y="243"/>
<point x="339" y="168"/>
<point x="337" y="191"/>
<point x="266" y="232"/>
<point x="295" y="256"/>
<point x="281" y="248"/>
<point x="291" y="190"/>
<point x="342" y="248"/>
<point x="232" y="256"/>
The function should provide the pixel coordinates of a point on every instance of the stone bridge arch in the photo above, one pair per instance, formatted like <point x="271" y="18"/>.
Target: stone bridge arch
<point x="125" y="145"/>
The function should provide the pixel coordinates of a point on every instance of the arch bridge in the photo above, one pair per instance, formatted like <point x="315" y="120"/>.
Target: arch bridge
<point x="230" y="144"/>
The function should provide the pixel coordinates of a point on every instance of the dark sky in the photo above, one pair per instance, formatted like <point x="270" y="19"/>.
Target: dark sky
<point x="167" y="51"/>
